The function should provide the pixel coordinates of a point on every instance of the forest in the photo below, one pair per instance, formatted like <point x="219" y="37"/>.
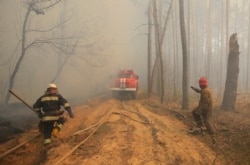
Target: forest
<point x="80" y="45"/>
<point x="170" y="43"/>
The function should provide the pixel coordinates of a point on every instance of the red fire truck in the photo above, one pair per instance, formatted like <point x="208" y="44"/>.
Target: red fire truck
<point x="126" y="83"/>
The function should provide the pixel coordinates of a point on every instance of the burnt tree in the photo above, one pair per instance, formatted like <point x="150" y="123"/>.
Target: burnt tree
<point x="230" y="92"/>
<point x="185" y="100"/>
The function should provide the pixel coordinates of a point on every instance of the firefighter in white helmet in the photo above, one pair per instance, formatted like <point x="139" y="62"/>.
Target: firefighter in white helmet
<point x="48" y="108"/>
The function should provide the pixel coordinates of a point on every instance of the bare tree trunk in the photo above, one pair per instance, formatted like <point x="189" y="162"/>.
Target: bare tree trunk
<point x="248" y="54"/>
<point x="23" y="50"/>
<point x="156" y="62"/>
<point x="194" y="59"/>
<point x="227" y="22"/>
<point x="175" y="58"/>
<point x="185" y="100"/>
<point x="221" y="55"/>
<point x="188" y="37"/>
<point x="32" y="7"/>
<point x="149" y="45"/>
<point x="230" y="93"/>
<point x="209" y="41"/>
<point x="159" y="35"/>
<point x="177" y="48"/>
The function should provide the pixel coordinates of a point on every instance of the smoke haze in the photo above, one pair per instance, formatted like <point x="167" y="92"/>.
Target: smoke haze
<point x="106" y="42"/>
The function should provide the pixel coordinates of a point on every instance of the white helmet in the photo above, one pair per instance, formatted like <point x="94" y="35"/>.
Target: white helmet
<point x="52" y="85"/>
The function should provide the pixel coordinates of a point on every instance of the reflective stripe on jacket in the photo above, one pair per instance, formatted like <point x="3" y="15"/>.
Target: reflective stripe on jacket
<point x="50" y="118"/>
<point x="50" y="103"/>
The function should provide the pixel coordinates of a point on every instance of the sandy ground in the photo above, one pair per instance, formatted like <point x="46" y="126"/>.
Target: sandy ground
<point x="133" y="134"/>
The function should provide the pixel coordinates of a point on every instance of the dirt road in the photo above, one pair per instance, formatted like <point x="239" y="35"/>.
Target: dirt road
<point x="136" y="132"/>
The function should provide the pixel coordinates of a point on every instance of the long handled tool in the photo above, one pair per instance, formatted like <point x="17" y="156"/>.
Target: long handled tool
<point x="22" y="101"/>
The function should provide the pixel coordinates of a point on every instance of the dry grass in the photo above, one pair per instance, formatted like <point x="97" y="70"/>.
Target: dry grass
<point x="233" y="127"/>
<point x="233" y="132"/>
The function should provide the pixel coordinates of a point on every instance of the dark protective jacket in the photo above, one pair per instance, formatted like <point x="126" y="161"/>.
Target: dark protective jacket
<point x="49" y="105"/>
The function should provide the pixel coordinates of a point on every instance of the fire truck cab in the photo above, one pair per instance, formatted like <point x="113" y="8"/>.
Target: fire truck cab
<point x="125" y="83"/>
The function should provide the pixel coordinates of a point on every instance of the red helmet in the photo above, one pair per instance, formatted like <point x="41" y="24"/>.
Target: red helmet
<point x="203" y="82"/>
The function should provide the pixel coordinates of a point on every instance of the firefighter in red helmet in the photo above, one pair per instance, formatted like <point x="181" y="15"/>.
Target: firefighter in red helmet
<point x="203" y="112"/>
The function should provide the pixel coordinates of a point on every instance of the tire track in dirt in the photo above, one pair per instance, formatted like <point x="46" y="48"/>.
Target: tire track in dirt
<point x="131" y="135"/>
<point x="176" y="146"/>
<point x="119" y="146"/>
<point x="85" y="116"/>
<point x="125" y="141"/>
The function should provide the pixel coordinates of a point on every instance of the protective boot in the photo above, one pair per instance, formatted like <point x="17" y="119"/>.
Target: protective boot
<point x="56" y="130"/>
<point x="195" y="131"/>
<point x="46" y="142"/>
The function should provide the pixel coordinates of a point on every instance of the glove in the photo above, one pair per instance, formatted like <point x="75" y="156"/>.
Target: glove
<point x="71" y="115"/>
<point x="195" y="89"/>
<point x="70" y="112"/>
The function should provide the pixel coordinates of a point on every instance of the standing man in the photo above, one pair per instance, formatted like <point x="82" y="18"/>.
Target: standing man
<point x="203" y="112"/>
<point x="48" y="108"/>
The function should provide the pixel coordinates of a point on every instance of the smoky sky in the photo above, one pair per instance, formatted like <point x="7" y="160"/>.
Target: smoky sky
<point x="108" y="42"/>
